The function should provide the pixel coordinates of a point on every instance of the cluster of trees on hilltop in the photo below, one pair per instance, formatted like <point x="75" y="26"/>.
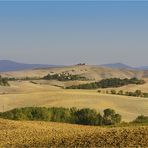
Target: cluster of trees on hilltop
<point x="4" y="81"/>
<point x="136" y="93"/>
<point x="83" y="116"/>
<point x="64" y="77"/>
<point x="108" y="83"/>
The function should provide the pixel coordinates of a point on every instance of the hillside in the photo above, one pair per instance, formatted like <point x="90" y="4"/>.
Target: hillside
<point x="44" y="134"/>
<point x="90" y="72"/>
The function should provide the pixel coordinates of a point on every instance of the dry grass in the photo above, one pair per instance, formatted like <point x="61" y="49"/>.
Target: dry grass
<point x="23" y="94"/>
<point x="43" y="134"/>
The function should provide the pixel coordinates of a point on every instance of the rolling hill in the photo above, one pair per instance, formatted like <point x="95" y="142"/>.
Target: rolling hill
<point x="88" y="71"/>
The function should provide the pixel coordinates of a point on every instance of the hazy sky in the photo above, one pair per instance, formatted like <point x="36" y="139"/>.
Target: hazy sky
<point x="73" y="32"/>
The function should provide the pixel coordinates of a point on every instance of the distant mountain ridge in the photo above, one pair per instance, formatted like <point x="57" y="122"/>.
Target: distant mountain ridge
<point x="117" y="65"/>
<point x="8" y="65"/>
<point x="124" y="66"/>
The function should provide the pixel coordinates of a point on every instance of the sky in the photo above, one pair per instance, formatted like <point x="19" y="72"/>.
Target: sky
<point x="70" y="32"/>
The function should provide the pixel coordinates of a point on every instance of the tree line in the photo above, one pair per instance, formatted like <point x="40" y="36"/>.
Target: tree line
<point x="23" y="78"/>
<point x="59" y="77"/>
<point x="83" y="116"/>
<point x="108" y="83"/>
<point x="136" y="93"/>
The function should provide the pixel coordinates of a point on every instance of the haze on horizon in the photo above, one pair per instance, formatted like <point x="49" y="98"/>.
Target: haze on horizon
<point x="71" y="32"/>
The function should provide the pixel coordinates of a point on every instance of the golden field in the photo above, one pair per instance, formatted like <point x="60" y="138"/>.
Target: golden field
<point x="25" y="93"/>
<point x="48" y="134"/>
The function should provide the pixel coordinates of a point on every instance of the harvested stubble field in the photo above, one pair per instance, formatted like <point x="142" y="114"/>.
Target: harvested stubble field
<point x="46" y="134"/>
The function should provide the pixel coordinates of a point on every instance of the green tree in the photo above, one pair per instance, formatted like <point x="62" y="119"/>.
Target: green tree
<point x="86" y="116"/>
<point x="110" y="117"/>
